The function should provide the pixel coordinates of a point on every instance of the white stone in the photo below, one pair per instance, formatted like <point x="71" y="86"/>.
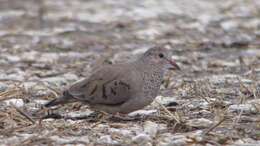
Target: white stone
<point x="141" y="139"/>
<point x="164" y="99"/>
<point x="70" y="77"/>
<point x="151" y="128"/>
<point x="30" y="56"/>
<point x="40" y="101"/>
<point x="246" y="142"/>
<point x="148" y="34"/>
<point x="79" y="113"/>
<point x="253" y="23"/>
<point x="121" y="132"/>
<point x="68" y="139"/>
<point x="29" y="85"/>
<point x="3" y="87"/>
<point x="216" y="79"/>
<point x="168" y="139"/>
<point x="19" y="75"/>
<point x="246" y="108"/>
<point x="48" y="57"/>
<point x="106" y="139"/>
<point x="13" y="59"/>
<point x="251" y="53"/>
<point x="15" y="102"/>
<point x="255" y="102"/>
<point x="58" y="81"/>
<point x="142" y="112"/>
<point x="223" y="63"/>
<point x="229" y="25"/>
<point x="200" y="123"/>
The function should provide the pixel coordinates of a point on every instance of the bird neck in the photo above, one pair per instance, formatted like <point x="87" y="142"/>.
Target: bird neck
<point x="148" y="66"/>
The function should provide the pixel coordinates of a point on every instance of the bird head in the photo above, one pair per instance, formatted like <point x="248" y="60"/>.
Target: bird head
<point x="160" y="56"/>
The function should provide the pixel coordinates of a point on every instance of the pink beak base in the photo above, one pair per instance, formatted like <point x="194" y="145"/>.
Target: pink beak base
<point x="174" y="64"/>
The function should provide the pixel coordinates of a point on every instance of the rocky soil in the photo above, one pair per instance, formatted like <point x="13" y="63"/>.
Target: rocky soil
<point x="46" y="45"/>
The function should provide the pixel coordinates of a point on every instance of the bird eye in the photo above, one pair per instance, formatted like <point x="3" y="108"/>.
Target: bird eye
<point x="161" y="55"/>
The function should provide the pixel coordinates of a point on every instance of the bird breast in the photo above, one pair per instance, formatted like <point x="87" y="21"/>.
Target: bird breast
<point x="152" y="81"/>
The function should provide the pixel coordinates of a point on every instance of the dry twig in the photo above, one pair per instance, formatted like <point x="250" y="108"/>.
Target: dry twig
<point x="24" y="114"/>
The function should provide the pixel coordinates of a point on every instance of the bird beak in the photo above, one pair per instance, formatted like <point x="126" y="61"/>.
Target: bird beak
<point x="174" y="65"/>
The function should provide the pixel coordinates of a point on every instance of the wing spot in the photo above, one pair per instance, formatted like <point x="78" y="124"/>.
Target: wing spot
<point x="104" y="92"/>
<point x="125" y="84"/>
<point x="94" y="90"/>
<point x="113" y="91"/>
<point x="84" y="86"/>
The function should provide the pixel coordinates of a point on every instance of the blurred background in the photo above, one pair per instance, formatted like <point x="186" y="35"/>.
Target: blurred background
<point x="38" y="34"/>
<point x="46" y="45"/>
<point x="57" y="34"/>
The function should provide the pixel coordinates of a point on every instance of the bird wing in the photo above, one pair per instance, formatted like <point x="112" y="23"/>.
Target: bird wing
<point x="106" y="86"/>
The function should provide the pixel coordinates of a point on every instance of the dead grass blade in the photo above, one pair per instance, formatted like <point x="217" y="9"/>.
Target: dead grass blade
<point x="176" y="117"/>
<point x="23" y="114"/>
<point x="214" y="126"/>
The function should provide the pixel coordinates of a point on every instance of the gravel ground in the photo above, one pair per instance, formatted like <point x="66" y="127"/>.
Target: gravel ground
<point x="46" y="45"/>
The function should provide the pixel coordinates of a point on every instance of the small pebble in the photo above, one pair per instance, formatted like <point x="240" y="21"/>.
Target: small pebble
<point x="199" y="123"/>
<point x="106" y="139"/>
<point x="15" y="102"/>
<point x="246" y="108"/>
<point x="3" y="87"/>
<point x="141" y="139"/>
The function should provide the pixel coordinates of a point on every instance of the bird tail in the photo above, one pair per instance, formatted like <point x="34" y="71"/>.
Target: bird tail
<point x="66" y="98"/>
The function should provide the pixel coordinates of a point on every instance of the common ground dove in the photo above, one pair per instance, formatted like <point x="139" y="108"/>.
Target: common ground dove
<point x="121" y="88"/>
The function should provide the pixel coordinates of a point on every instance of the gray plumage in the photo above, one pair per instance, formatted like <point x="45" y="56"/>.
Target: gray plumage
<point x="121" y="88"/>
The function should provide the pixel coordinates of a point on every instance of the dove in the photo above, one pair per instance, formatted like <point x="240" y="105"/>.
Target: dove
<point x="121" y="88"/>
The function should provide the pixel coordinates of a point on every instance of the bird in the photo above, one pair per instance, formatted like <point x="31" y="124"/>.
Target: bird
<point x="121" y="88"/>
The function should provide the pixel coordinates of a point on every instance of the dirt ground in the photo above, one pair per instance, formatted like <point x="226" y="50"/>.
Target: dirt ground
<point x="46" y="45"/>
